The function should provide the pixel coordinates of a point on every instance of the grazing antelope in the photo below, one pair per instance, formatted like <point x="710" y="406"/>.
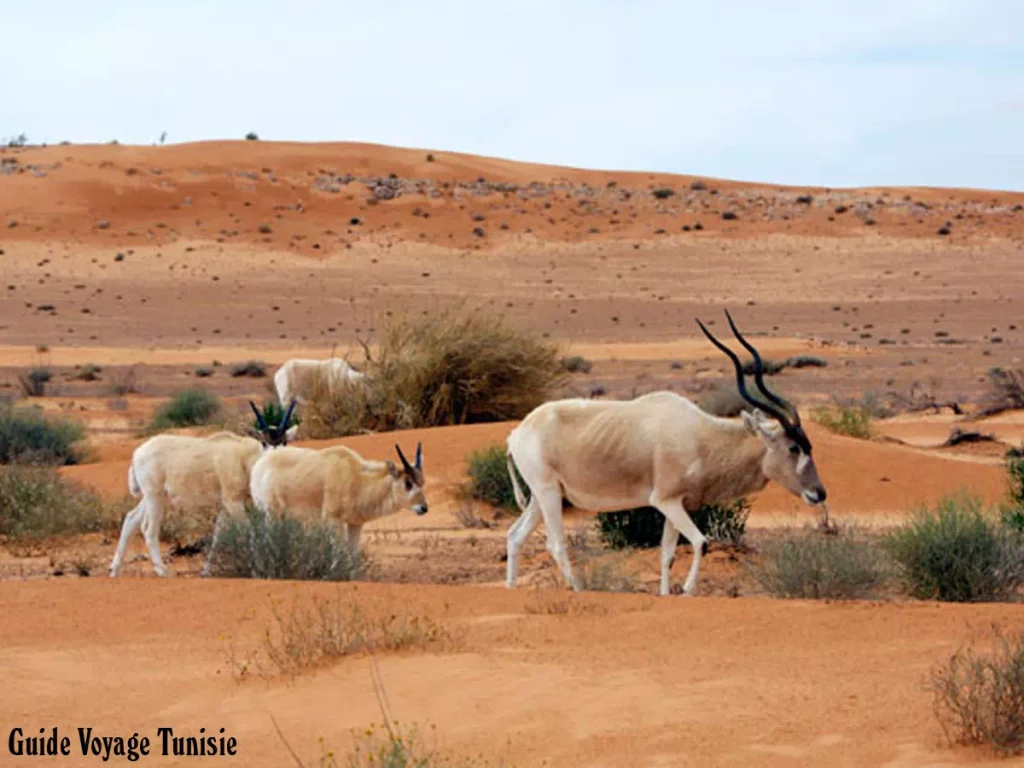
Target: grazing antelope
<point x="296" y="378"/>
<point x="195" y="473"/>
<point x="658" y="450"/>
<point x="337" y="483"/>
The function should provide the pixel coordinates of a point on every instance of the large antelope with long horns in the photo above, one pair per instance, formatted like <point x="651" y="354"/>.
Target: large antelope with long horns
<point x="337" y="483"/>
<point x="198" y="474"/>
<point x="658" y="450"/>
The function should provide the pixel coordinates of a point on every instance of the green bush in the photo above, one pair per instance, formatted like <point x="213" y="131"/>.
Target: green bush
<point x="188" y="408"/>
<point x="489" y="480"/>
<point x="455" y="366"/>
<point x="1015" y="470"/>
<point x="958" y="552"/>
<point x="37" y="503"/>
<point x="979" y="696"/>
<point x="282" y="547"/>
<point x="642" y="527"/>
<point x="845" y="566"/>
<point x="845" y="419"/>
<point x="27" y="436"/>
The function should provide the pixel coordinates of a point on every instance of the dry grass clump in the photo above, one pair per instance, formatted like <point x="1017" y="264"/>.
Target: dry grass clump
<point x="979" y="695"/>
<point x="1005" y="393"/>
<point x="456" y="366"/>
<point x="807" y="564"/>
<point x="852" y="420"/>
<point x="309" y="636"/>
<point x="37" y="503"/>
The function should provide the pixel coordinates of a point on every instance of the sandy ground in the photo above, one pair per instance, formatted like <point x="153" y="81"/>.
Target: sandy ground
<point x="152" y="263"/>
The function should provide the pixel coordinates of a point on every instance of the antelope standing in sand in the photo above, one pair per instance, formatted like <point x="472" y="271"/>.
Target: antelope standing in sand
<point x="296" y="378"/>
<point x="337" y="483"/>
<point x="194" y="473"/>
<point x="659" y="450"/>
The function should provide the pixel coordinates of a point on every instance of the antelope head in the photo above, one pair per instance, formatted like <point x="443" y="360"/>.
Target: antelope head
<point x="274" y="435"/>
<point x="788" y="459"/>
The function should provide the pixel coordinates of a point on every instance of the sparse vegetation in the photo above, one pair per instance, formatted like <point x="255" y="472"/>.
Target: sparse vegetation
<point x="188" y="408"/>
<point x="1015" y="472"/>
<point x="259" y="546"/>
<point x="663" y="193"/>
<point x="850" y="419"/>
<point x="807" y="564"/>
<point x="959" y="552"/>
<point x="456" y="366"/>
<point x="33" y="383"/>
<point x="577" y="364"/>
<point x="642" y="527"/>
<point x="36" y="503"/>
<point x="489" y="480"/>
<point x="255" y="369"/>
<point x="771" y="367"/>
<point x="27" y="436"/>
<point x="252" y="136"/>
<point x="87" y="372"/>
<point x="1005" y="392"/>
<point x="307" y="637"/>
<point x="124" y="382"/>
<point x="202" y="372"/>
<point x="979" y="694"/>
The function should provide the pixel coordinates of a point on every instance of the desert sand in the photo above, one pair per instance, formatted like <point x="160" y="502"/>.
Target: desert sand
<point x="152" y="262"/>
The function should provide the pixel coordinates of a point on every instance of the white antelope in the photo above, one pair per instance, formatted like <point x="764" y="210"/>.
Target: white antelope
<point x="658" y="450"/>
<point x="297" y="377"/>
<point x="336" y="483"/>
<point x="195" y="473"/>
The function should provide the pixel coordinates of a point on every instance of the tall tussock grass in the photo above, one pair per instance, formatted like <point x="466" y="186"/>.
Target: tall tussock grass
<point x="455" y="366"/>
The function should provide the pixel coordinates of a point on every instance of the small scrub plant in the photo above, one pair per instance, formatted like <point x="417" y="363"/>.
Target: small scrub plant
<point x="807" y="565"/>
<point x="960" y="551"/>
<point x="33" y="383"/>
<point x="37" y="503"/>
<point x="255" y="369"/>
<point x="852" y="420"/>
<point x="261" y="546"/>
<point x="87" y="372"/>
<point x="188" y="408"/>
<point x="979" y="693"/>
<point x="642" y="527"/>
<point x="663" y="193"/>
<point x="489" y="480"/>
<point x="309" y="636"/>
<point x="27" y="436"/>
<point x="1015" y="471"/>
<point x="577" y="364"/>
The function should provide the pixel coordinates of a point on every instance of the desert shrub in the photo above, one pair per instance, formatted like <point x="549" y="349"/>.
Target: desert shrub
<point x="252" y="136"/>
<point x="33" y="383"/>
<point x="852" y="420"/>
<point x="255" y="369"/>
<point x="958" y="552"/>
<point x="202" y="372"/>
<point x="642" y="527"/>
<point x="258" y="546"/>
<point x="27" y="436"/>
<point x="188" y="408"/>
<point x="1015" y="471"/>
<point x="723" y="400"/>
<point x="807" y="564"/>
<point x="455" y="366"/>
<point x="37" y="503"/>
<point x="576" y="364"/>
<point x="663" y="193"/>
<point x="806" y="361"/>
<point x="87" y="372"/>
<point x="979" y="696"/>
<point x="489" y="480"/>
<point x="768" y="366"/>
<point x="1005" y="392"/>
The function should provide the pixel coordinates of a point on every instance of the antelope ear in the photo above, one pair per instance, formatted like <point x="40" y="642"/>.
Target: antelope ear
<point x="392" y="469"/>
<point x="759" y="424"/>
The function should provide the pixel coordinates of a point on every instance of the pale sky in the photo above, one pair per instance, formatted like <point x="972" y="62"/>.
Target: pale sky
<point x="927" y="92"/>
